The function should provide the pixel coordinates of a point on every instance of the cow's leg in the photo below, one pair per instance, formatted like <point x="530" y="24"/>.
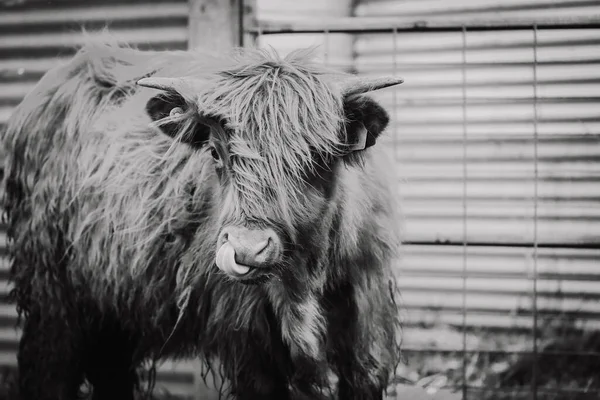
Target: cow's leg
<point x="358" y="381"/>
<point x="49" y="358"/>
<point x="255" y="362"/>
<point x="310" y="380"/>
<point x="109" y="365"/>
<point x="111" y="376"/>
<point x="260" y="372"/>
<point x="354" y="358"/>
<point x="359" y="377"/>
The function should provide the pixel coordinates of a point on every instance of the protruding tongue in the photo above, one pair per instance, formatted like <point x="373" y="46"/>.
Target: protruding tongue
<point x="226" y="261"/>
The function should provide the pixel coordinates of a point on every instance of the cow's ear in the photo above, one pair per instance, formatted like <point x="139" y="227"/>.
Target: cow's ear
<point x="365" y="120"/>
<point x="170" y="111"/>
<point x="164" y="105"/>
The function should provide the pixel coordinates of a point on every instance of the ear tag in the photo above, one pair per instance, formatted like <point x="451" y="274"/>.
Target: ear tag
<point x="362" y="139"/>
<point x="176" y="112"/>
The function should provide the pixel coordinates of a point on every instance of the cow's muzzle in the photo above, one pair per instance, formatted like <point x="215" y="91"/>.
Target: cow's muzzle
<point x="242" y="250"/>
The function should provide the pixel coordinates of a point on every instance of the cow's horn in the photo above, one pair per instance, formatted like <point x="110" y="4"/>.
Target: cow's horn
<point x="363" y="85"/>
<point x="175" y="84"/>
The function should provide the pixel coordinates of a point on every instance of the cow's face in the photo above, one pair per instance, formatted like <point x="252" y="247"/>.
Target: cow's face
<point x="275" y="134"/>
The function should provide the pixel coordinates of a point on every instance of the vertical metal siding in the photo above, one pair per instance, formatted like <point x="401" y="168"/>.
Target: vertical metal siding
<point x="34" y="37"/>
<point x="427" y="136"/>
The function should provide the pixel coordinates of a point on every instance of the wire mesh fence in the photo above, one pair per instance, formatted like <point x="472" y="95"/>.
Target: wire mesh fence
<point x="489" y="134"/>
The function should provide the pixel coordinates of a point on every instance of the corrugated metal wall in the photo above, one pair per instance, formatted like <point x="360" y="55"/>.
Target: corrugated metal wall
<point x="500" y="160"/>
<point x="35" y="36"/>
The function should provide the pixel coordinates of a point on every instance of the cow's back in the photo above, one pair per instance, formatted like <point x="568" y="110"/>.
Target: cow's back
<point x="46" y="144"/>
<point x="47" y="130"/>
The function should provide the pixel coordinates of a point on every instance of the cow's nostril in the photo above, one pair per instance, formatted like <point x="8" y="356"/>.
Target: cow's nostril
<point x="264" y="246"/>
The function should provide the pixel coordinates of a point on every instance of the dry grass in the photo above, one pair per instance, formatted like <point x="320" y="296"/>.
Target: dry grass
<point x="500" y="365"/>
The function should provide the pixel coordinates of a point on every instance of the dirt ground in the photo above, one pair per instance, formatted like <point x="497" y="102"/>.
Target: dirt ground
<point x="407" y="392"/>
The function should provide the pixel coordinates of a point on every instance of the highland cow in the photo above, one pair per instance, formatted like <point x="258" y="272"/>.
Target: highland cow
<point x="234" y="208"/>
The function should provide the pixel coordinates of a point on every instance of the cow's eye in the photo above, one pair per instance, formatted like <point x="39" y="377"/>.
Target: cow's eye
<point x="216" y="156"/>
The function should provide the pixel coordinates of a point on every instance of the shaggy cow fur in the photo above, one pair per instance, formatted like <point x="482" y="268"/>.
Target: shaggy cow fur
<point x="114" y="206"/>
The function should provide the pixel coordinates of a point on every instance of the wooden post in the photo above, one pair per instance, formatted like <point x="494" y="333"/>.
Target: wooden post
<point x="218" y="25"/>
